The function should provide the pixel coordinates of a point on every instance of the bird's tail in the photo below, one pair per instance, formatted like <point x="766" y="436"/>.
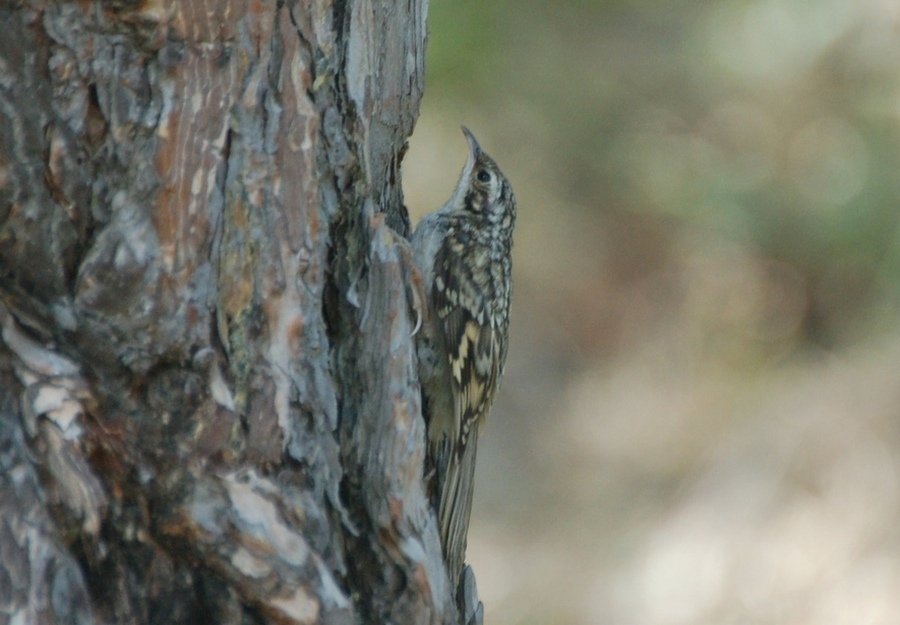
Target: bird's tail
<point x="456" y="507"/>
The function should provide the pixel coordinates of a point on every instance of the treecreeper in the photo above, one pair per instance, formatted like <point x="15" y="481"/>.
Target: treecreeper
<point x="463" y="251"/>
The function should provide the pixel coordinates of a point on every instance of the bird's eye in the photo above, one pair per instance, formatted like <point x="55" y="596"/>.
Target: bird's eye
<point x="484" y="176"/>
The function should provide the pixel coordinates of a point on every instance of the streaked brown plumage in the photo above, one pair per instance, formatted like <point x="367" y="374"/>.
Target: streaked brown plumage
<point x="463" y="251"/>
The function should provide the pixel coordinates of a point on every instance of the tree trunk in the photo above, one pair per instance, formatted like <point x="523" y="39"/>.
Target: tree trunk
<point x="208" y="402"/>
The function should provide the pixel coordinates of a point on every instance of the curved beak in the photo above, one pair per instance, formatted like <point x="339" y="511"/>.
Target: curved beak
<point x="474" y="148"/>
<point x="461" y="186"/>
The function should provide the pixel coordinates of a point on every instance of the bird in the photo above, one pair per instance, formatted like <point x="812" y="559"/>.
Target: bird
<point x="463" y="251"/>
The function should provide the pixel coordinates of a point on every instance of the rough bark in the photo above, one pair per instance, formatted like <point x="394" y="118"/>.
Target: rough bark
<point x="208" y="403"/>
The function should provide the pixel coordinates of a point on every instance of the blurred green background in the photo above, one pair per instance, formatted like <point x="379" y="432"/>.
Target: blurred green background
<point x="699" y="420"/>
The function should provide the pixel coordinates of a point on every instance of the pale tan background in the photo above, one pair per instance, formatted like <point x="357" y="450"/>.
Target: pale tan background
<point x="700" y="421"/>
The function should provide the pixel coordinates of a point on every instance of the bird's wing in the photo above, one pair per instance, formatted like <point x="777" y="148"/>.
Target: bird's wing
<point x="475" y="354"/>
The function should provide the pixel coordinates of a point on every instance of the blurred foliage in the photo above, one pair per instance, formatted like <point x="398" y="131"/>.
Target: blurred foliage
<point x="697" y="423"/>
<point x="770" y="122"/>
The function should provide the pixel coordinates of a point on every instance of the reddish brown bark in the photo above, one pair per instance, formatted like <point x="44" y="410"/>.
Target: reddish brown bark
<point x="208" y="403"/>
